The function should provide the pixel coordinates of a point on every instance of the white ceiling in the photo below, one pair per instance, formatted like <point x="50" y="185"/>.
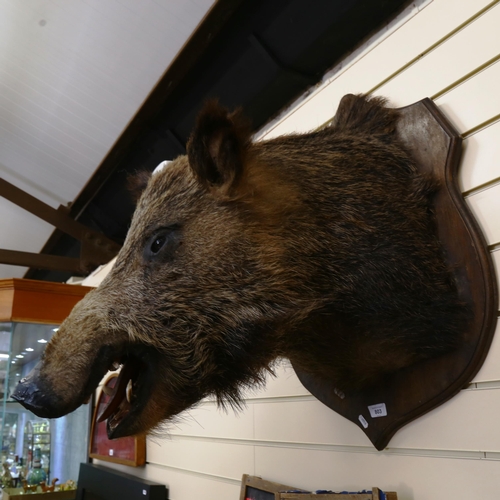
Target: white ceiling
<point x="72" y="75"/>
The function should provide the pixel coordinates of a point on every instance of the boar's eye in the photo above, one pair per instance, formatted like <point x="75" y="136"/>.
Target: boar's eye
<point x="158" y="243"/>
<point x="163" y="243"/>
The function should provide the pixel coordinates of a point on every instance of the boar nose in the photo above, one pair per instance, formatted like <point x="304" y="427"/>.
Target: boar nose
<point x="29" y="392"/>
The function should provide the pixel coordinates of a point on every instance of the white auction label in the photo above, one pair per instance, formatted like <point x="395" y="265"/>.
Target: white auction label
<point x="363" y="421"/>
<point x="378" y="410"/>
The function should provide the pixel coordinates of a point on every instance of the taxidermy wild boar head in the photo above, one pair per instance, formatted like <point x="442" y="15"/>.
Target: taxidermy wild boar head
<point x="320" y="248"/>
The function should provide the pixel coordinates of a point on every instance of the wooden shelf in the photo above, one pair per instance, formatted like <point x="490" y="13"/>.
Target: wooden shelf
<point x="31" y="301"/>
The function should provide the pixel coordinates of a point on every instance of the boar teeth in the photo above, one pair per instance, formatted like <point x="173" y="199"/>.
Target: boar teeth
<point x="128" y="391"/>
<point x="115" y="365"/>
<point x="107" y="390"/>
<point x="122" y="394"/>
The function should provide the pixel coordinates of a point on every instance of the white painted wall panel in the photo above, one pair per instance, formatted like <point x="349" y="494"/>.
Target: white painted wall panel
<point x="491" y="366"/>
<point x="305" y="422"/>
<point x="495" y="256"/>
<point x="485" y="205"/>
<point x="496" y="262"/>
<point x="458" y="424"/>
<point x="440" y="67"/>
<point x="215" y="458"/>
<point x="285" y="383"/>
<point x="481" y="158"/>
<point x="475" y="101"/>
<point x="442" y="429"/>
<point x="209" y="421"/>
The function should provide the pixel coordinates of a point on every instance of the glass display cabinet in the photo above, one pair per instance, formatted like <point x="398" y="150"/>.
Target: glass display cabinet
<point x="30" y="312"/>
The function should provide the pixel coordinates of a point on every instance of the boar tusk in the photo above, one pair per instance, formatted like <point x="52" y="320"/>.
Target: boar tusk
<point x="128" y="391"/>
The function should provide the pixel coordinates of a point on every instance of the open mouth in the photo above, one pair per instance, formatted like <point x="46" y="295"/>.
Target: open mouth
<point x="123" y="405"/>
<point x="125" y="398"/>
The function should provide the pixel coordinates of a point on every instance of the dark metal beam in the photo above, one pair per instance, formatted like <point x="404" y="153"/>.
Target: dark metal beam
<point x="56" y="218"/>
<point x="40" y="261"/>
<point x="96" y="248"/>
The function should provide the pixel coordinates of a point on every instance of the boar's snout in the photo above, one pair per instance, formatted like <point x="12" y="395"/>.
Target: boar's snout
<point x="33" y="395"/>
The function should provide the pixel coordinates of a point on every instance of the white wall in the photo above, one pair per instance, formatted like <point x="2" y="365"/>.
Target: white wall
<point x="447" y="50"/>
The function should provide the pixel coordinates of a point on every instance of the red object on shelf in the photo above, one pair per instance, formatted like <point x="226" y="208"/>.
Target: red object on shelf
<point x="129" y="450"/>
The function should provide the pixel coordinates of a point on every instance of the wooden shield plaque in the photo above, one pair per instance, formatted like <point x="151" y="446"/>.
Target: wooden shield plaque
<point x="409" y="393"/>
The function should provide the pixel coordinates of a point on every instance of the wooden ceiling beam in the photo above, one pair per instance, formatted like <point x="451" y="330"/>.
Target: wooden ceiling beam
<point x="40" y="261"/>
<point x="96" y="248"/>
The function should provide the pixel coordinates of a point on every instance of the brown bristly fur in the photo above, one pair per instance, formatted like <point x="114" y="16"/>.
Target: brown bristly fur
<point x="317" y="247"/>
<point x="137" y="183"/>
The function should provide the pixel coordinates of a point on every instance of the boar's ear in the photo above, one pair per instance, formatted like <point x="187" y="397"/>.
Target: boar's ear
<point x="365" y="115"/>
<point x="217" y="148"/>
<point x="136" y="184"/>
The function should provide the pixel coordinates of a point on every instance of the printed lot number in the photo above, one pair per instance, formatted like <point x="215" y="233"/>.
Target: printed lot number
<point x="378" y="410"/>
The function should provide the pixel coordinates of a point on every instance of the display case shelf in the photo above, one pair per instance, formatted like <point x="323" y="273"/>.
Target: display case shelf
<point x="30" y="313"/>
